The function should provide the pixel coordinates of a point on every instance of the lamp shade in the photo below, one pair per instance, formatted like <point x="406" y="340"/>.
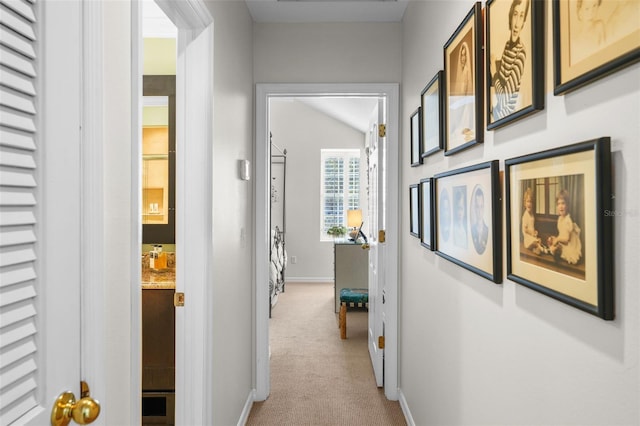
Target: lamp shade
<point x="354" y="218"/>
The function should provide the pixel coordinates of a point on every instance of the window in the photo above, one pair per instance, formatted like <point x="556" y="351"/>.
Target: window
<point x="340" y="177"/>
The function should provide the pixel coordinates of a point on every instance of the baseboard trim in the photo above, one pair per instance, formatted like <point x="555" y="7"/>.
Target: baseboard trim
<point x="405" y="409"/>
<point x="309" y="280"/>
<point x="244" y="416"/>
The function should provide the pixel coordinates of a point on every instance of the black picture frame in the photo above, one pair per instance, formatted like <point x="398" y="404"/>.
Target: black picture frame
<point x="564" y="251"/>
<point x="468" y="211"/>
<point x="416" y="137"/>
<point x="587" y="50"/>
<point x="414" y="210"/>
<point x="463" y="67"/>
<point x="426" y="214"/>
<point x="514" y="53"/>
<point x="432" y="104"/>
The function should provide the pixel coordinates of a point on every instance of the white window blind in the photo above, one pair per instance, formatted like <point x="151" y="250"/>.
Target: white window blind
<point x="18" y="288"/>
<point x="340" y="180"/>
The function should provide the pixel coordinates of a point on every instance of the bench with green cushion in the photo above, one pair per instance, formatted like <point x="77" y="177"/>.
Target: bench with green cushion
<point x="353" y="298"/>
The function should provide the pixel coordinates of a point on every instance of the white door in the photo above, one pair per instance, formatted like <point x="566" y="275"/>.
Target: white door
<point x="375" y="153"/>
<point x="40" y="209"/>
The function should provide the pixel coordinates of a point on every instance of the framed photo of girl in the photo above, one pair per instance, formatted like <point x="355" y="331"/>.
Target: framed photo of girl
<point x="515" y="60"/>
<point x="432" y="104"/>
<point x="559" y="224"/>
<point x="416" y="138"/>
<point x="463" y="69"/>
<point x="426" y="214"/>
<point x="593" y="38"/>
<point x="468" y="218"/>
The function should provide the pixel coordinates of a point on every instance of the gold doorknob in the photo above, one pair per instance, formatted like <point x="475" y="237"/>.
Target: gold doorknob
<point x="83" y="412"/>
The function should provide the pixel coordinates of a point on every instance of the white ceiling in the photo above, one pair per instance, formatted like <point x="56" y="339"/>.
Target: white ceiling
<point x="327" y="10"/>
<point x="353" y="111"/>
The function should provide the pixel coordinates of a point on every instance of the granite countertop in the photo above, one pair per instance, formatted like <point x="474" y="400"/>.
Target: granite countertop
<point x="159" y="278"/>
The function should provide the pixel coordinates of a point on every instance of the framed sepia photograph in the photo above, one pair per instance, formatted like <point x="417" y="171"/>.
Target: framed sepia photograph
<point x="426" y="214"/>
<point x="416" y="138"/>
<point x="592" y="39"/>
<point x="463" y="69"/>
<point x="414" y="210"/>
<point x="468" y="218"/>
<point x="560" y="222"/>
<point x="514" y="60"/>
<point x="432" y="104"/>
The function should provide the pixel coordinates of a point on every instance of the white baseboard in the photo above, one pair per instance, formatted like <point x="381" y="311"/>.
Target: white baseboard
<point x="247" y="408"/>
<point x="309" y="280"/>
<point x="405" y="409"/>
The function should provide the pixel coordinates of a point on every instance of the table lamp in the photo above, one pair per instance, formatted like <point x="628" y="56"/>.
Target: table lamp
<point x="354" y="221"/>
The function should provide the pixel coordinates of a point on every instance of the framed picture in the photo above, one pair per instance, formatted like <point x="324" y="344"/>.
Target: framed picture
<point x="514" y="60"/>
<point x="416" y="138"/>
<point x="463" y="68"/>
<point x="426" y="214"/>
<point x="414" y="209"/>
<point x="592" y="39"/>
<point x="559" y="224"/>
<point x="468" y="218"/>
<point x="432" y="104"/>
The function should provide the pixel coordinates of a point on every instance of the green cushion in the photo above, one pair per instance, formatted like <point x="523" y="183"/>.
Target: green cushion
<point x="354" y="295"/>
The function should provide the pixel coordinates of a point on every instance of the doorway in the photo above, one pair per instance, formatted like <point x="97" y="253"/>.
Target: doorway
<point x="264" y="93"/>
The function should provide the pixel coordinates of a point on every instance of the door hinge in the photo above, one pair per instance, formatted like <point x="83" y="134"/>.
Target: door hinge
<point x="382" y="236"/>
<point x="382" y="130"/>
<point x="178" y="299"/>
<point x="380" y="342"/>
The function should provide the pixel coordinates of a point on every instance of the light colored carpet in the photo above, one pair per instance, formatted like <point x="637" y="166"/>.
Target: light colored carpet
<point x="317" y="378"/>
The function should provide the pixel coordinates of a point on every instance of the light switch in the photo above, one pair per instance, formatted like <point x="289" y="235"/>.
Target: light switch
<point x="245" y="169"/>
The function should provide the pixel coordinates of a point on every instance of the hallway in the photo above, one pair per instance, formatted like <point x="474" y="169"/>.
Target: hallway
<point x="317" y="378"/>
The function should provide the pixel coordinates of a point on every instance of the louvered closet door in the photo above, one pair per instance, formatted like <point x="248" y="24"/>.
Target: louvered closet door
<point x="31" y="340"/>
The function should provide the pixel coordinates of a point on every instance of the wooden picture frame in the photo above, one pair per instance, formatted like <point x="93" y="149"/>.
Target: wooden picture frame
<point x="560" y="223"/>
<point x="591" y="43"/>
<point x="414" y="210"/>
<point x="463" y="68"/>
<point x="432" y="104"/>
<point x="469" y="218"/>
<point x="426" y="214"/>
<point x="514" y="60"/>
<point x="416" y="137"/>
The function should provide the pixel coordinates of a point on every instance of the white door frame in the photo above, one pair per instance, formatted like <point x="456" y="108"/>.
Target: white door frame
<point x="262" y="197"/>
<point x="194" y="243"/>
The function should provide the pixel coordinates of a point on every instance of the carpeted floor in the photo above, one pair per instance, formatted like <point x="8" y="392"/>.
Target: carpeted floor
<point x="317" y="378"/>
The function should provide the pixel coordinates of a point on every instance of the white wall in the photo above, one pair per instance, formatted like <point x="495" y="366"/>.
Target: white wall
<point x="473" y="352"/>
<point x="232" y="215"/>
<point x="303" y="132"/>
<point x="327" y="53"/>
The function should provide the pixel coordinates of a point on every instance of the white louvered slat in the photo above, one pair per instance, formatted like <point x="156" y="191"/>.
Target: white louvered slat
<point x="19" y="160"/>
<point x="15" y="334"/>
<point x="21" y="7"/>
<point x="19" y="195"/>
<point x="12" y="238"/>
<point x="17" y="82"/>
<point x="20" y="45"/>
<point x="9" y="19"/>
<point x="15" y="139"/>
<point x="18" y="410"/>
<point x="11" y="99"/>
<point x="11" y="59"/>
<point x="16" y="257"/>
<point x="16" y="295"/>
<point x="17" y="121"/>
<point x="17" y="275"/>
<point x="17" y="199"/>
<point x="27" y="366"/>
<point x="24" y="180"/>
<point x="15" y="218"/>
<point x="25" y="349"/>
